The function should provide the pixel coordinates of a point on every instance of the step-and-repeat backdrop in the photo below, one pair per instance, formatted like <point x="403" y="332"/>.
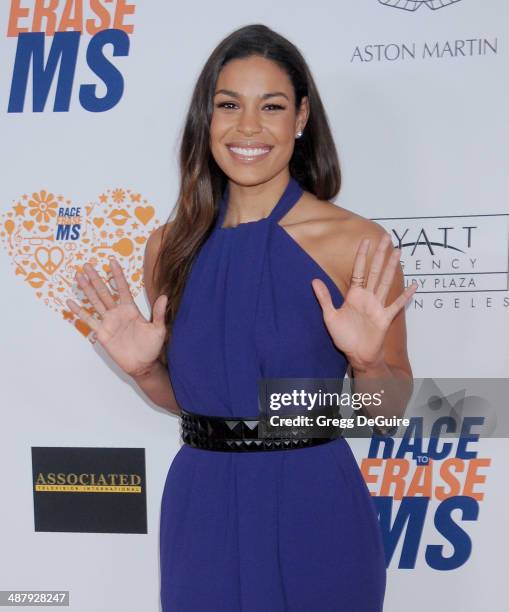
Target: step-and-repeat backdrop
<point x="93" y="95"/>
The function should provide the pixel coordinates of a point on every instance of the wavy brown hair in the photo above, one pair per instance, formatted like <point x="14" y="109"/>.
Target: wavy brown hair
<point x="314" y="162"/>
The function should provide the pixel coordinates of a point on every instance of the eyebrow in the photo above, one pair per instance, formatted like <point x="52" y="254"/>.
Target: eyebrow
<point x="264" y="96"/>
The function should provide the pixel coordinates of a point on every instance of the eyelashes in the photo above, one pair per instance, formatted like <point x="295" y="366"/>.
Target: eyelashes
<point x="225" y="104"/>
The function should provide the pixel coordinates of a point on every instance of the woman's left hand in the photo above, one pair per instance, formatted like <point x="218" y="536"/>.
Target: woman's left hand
<point x="359" y="325"/>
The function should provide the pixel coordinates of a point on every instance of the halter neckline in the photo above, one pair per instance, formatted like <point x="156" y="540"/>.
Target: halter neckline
<point x="289" y="197"/>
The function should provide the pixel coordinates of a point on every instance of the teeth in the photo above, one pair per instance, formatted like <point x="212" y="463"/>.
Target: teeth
<point x="249" y="152"/>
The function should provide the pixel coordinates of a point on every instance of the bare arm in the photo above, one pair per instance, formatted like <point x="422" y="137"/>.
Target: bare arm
<point x="155" y="382"/>
<point x="157" y="386"/>
<point x="360" y="325"/>
<point x="394" y="372"/>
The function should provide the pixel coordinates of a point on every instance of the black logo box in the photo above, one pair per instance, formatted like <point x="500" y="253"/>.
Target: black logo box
<point x="92" y="512"/>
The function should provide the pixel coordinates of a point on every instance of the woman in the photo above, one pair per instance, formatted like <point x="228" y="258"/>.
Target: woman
<point x="259" y="276"/>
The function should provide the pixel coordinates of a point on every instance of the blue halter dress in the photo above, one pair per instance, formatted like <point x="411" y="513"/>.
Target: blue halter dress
<point x="267" y="531"/>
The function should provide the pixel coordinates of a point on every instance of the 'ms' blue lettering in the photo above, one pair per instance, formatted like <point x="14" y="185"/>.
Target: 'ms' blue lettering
<point x="64" y="52"/>
<point x="30" y="52"/>
<point x="460" y="540"/>
<point x="68" y="232"/>
<point x="411" y="510"/>
<point x="111" y="77"/>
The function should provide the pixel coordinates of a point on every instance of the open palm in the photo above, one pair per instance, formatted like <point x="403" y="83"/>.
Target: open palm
<point x="359" y="325"/>
<point x="132" y="342"/>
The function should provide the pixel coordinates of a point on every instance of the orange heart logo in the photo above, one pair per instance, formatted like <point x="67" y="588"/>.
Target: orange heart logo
<point x="69" y="235"/>
<point x="49" y="259"/>
<point x="144" y="213"/>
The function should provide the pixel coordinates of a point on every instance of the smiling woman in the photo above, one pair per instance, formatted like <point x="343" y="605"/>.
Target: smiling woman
<point x="260" y="276"/>
<point x="252" y="130"/>
<point x="247" y="150"/>
<point x="266" y="249"/>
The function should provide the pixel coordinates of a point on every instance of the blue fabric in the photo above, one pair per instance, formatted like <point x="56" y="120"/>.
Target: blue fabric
<point x="274" y="531"/>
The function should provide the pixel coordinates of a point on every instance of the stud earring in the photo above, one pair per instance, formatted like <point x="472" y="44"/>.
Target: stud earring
<point x="299" y="134"/>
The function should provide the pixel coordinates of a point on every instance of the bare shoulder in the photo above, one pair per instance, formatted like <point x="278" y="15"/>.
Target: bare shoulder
<point x="323" y="219"/>
<point x="331" y="234"/>
<point x="151" y="252"/>
<point x="356" y="229"/>
<point x="351" y="235"/>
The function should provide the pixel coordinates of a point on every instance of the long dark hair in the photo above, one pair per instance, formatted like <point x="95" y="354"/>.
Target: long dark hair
<point x="314" y="163"/>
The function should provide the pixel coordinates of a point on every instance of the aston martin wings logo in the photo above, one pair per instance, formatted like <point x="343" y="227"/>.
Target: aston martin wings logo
<point x="413" y="5"/>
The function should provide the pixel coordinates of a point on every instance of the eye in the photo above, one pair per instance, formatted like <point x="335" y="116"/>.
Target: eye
<point x="224" y="104"/>
<point x="275" y="106"/>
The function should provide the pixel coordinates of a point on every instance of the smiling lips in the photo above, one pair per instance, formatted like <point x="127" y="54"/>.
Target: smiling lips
<point x="248" y="153"/>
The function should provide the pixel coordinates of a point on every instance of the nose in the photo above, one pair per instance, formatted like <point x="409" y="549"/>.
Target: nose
<point x="249" y="121"/>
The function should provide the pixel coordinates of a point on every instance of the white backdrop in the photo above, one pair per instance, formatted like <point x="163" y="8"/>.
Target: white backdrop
<point x="420" y="122"/>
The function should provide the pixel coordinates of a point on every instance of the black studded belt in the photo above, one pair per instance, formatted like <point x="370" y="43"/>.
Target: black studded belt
<point x="239" y="435"/>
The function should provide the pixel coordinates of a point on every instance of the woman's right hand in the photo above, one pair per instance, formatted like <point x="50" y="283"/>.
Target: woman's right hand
<point x="132" y="342"/>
